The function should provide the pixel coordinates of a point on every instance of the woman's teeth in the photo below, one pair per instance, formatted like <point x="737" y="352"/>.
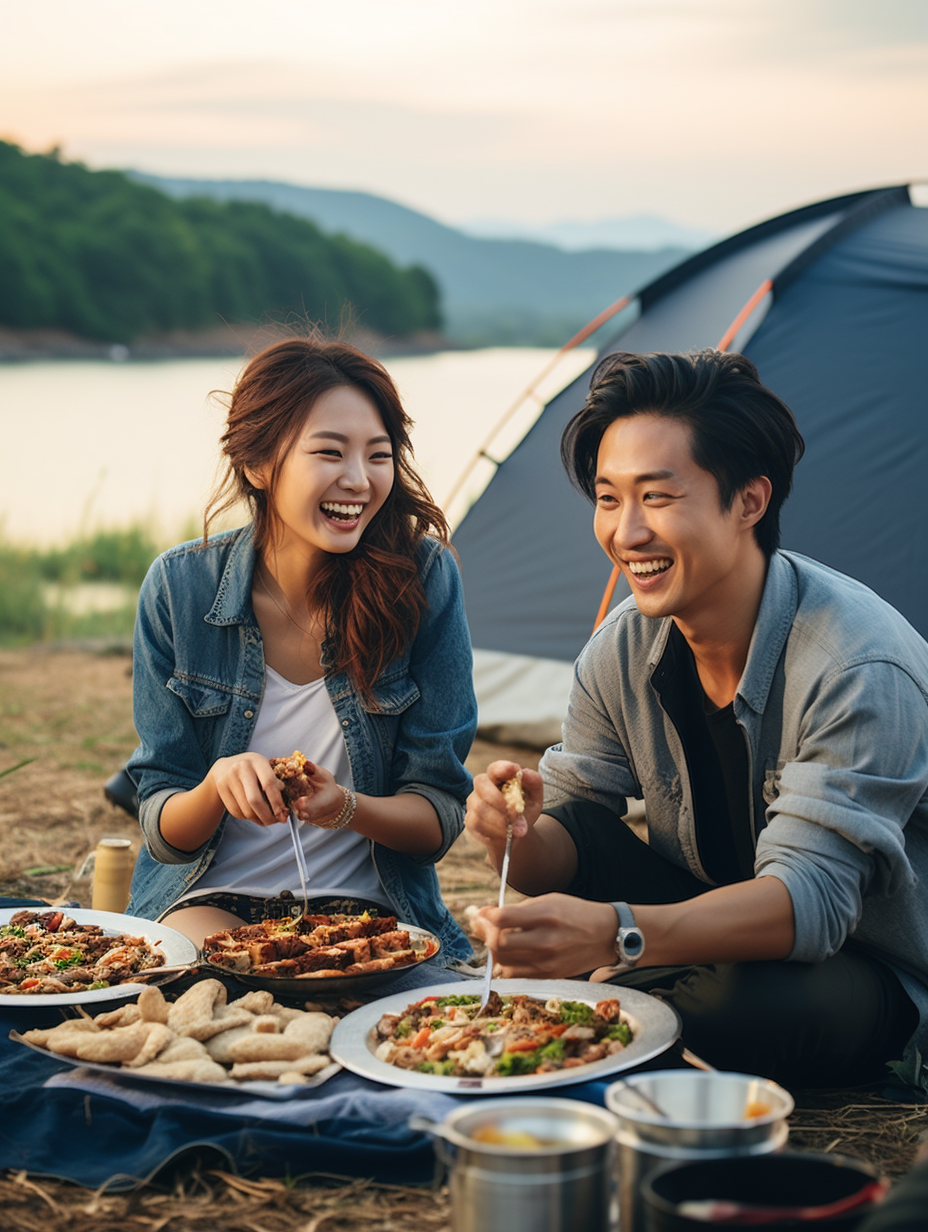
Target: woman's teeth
<point x="644" y="568"/>
<point x="345" y="512"/>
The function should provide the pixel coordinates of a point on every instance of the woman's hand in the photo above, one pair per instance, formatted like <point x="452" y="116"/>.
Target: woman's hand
<point x="487" y="815"/>
<point x="326" y="801"/>
<point x="555" y="936"/>
<point x="249" y="788"/>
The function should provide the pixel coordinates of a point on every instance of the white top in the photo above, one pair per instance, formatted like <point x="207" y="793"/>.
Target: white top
<point x="259" y="860"/>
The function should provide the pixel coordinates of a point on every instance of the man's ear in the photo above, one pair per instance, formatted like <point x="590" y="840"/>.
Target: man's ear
<point x="755" y="497"/>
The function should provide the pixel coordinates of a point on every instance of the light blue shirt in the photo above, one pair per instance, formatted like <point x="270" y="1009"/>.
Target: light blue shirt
<point x="833" y="703"/>
<point x="198" y="680"/>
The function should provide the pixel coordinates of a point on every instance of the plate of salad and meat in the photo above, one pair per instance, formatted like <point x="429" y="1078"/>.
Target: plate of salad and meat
<point x="532" y="1034"/>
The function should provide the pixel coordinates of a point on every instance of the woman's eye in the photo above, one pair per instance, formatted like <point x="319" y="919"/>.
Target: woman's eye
<point x="385" y="456"/>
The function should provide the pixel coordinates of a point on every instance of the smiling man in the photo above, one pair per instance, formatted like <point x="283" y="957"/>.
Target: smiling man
<point x="772" y="714"/>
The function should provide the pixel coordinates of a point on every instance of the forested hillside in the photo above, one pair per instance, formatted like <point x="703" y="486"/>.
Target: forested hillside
<point x="104" y="257"/>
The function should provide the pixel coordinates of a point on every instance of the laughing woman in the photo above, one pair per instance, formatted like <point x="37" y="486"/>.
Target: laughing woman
<point x="333" y="623"/>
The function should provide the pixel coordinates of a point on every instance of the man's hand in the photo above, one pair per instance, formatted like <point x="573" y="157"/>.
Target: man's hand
<point x="555" y="936"/>
<point x="487" y="815"/>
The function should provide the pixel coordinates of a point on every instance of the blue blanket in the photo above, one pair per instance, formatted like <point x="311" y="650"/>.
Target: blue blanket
<point x="86" y="1127"/>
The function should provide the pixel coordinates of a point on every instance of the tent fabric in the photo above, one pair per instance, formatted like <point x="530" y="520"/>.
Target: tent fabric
<point x="842" y="338"/>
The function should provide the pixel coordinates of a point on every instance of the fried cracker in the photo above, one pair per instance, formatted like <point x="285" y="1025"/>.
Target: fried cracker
<point x="312" y="1030"/>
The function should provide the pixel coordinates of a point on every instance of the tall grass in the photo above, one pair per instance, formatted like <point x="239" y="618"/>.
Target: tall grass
<point x="36" y="586"/>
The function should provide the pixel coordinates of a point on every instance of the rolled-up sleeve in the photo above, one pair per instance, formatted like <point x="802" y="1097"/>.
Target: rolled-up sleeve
<point x="835" y="831"/>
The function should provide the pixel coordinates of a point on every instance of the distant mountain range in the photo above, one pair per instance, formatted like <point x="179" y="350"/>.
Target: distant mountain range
<point x="494" y="291"/>
<point x="641" y="231"/>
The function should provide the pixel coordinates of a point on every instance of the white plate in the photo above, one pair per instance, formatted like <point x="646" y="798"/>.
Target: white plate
<point x="268" y="1090"/>
<point x="175" y="947"/>
<point x="654" y="1023"/>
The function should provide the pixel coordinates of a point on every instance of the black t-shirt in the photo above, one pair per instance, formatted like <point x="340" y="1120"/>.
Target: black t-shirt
<point x="717" y="762"/>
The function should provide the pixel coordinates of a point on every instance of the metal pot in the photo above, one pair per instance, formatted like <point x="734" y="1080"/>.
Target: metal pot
<point x="668" y="1116"/>
<point x="565" y="1184"/>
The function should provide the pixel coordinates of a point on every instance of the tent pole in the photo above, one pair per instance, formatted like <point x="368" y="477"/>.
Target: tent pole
<point x="581" y="336"/>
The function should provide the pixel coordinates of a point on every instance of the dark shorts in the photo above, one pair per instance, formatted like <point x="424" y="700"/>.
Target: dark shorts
<point x="831" y="1023"/>
<point x="252" y="908"/>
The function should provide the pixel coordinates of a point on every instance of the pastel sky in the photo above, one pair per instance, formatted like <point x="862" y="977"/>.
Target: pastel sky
<point x="715" y="113"/>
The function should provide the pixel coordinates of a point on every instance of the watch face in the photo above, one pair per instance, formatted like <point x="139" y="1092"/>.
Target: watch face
<point x="629" y="943"/>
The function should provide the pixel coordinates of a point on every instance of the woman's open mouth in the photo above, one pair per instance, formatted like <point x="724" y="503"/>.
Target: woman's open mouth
<point x="345" y="514"/>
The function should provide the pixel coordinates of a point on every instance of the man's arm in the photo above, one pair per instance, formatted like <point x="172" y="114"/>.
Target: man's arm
<point x="557" y="936"/>
<point x="543" y="854"/>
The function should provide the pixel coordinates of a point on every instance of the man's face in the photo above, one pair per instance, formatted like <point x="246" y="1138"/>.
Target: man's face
<point x="659" y="518"/>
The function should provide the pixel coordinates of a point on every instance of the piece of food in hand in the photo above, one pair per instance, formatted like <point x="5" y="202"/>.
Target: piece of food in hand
<point x="293" y="773"/>
<point x="514" y="795"/>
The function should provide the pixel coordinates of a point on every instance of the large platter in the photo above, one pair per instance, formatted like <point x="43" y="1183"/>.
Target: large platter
<point x="176" y="948"/>
<point x="314" y="987"/>
<point x="267" y="1090"/>
<point x="654" y="1023"/>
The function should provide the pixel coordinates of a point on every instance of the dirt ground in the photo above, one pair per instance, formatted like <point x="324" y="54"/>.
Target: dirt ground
<point x="69" y="710"/>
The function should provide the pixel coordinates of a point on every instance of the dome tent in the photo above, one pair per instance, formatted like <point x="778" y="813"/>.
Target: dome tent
<point x="830" y="302"/>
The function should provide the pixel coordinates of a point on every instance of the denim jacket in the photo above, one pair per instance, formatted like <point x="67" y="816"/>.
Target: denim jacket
<point x="198" y="680"/>
<point x="833" y="704"/>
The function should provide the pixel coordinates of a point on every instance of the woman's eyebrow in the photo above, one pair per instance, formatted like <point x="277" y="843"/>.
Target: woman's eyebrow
<point x="340" y="436"/>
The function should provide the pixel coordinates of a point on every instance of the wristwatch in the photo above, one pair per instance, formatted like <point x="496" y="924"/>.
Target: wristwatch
<point x="629" y="939"/>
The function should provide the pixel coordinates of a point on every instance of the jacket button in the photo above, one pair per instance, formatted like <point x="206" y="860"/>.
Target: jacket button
<point x="345" y="723"/>
<point x="249" y="714"/>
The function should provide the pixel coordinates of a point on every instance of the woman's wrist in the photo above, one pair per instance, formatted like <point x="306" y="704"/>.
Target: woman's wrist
<point x="345" y="816"/>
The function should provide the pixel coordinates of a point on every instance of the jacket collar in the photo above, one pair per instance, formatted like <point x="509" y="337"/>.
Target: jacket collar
<point x="775" y="620"/>
<point x="232" y="605"/>
<point x="775" y="617"/>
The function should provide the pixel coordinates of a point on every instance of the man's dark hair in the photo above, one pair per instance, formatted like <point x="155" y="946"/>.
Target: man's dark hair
<point x="740" y="429"/>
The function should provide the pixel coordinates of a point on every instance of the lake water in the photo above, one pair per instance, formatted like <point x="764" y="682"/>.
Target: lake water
<point x="100" y="445"/>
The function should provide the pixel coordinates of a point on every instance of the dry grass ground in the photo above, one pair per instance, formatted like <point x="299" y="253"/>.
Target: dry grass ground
<point x="70" y="711"/>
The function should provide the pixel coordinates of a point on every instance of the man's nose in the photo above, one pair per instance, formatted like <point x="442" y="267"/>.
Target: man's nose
<point x="632" y="528"/>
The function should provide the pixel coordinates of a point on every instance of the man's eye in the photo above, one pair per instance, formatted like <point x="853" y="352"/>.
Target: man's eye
<point x="605" y="498"/>
<point x="656" y="496"/>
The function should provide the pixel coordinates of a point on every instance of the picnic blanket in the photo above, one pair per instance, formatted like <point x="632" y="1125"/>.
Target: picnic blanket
<point x="81" y="1125"/>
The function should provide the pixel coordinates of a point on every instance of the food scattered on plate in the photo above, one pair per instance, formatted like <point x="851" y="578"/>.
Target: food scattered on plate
<point x="515" y="1035"/>
<point x="199" y="1037"/>
<point x="316" y="946"/>
<point x="293" y="773"/>
<point x="49" y="952"/>
<point x="514" y="795"/>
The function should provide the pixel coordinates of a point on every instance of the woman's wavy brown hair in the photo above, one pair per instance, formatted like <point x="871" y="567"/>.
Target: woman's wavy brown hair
<point x="371" y="597"/>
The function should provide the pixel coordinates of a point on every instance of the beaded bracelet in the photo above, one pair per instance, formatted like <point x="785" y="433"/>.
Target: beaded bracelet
<point x="345" y="817"/>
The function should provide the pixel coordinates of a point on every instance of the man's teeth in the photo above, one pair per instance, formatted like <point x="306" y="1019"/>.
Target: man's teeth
<point x="342" y="511"/>
<point x="644" y="568"/>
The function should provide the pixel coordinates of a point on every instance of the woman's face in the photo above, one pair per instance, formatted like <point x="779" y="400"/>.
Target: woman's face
<point x="334" y="479"/>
